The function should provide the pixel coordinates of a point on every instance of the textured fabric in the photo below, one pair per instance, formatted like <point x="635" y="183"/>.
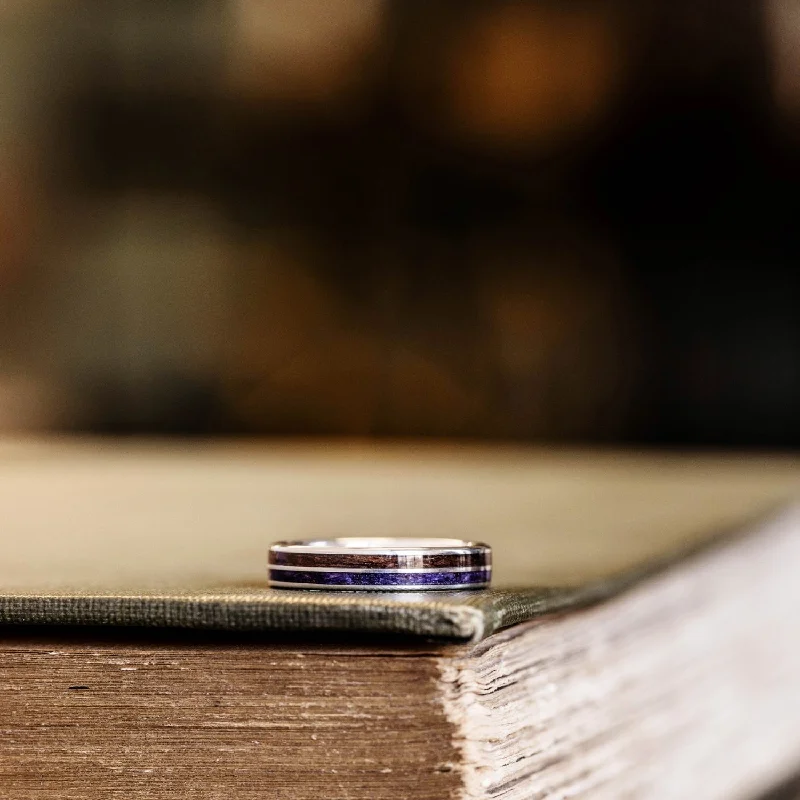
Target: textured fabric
<point x="128" y="525"/>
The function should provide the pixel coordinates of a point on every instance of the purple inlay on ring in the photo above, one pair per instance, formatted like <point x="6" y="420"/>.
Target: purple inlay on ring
<point x="442" y="579"/>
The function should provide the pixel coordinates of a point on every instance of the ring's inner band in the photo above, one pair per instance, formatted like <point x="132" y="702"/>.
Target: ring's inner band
<point x="366" y="544"/>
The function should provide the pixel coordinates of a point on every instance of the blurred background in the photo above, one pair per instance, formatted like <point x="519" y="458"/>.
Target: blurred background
<point x="558" y="220"/>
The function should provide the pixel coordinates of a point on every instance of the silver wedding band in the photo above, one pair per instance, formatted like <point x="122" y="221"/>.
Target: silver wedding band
<point x="380" y="564"/>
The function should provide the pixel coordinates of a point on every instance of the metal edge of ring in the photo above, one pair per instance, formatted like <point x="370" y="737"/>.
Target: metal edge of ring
<point x="381" y="570"/>
<point x="388" y="588"/>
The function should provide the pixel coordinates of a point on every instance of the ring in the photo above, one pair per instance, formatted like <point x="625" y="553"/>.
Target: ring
<point x="379" y="564"/>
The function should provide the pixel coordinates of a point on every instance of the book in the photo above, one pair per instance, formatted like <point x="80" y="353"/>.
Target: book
<point x="639" y="641"/>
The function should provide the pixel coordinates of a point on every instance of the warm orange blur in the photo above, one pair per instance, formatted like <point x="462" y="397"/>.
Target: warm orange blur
<point x="372" y="217"/>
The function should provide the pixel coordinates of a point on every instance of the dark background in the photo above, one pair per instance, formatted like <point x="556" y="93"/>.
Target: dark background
<point x="559" y="221"/>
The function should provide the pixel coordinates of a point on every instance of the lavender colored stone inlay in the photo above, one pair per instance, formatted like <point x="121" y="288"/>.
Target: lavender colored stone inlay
<point x="381" y="578"/>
